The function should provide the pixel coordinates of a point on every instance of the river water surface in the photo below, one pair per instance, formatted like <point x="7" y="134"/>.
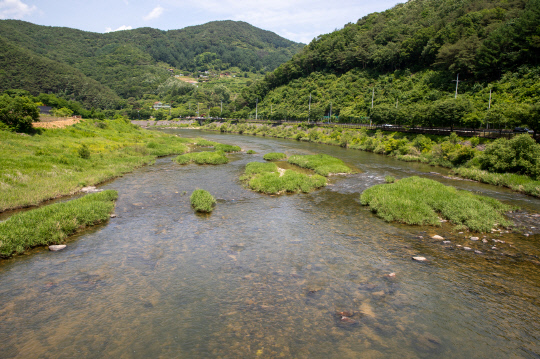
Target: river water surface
<point x="266" y="276"/>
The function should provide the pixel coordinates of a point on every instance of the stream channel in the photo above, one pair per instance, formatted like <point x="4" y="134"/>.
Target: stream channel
<point x="266" y="276"/>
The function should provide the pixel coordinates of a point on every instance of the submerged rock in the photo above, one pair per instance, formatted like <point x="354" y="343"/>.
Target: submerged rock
<point x="57" y="247"/>
<point x="347" y="320"/>
<point x="437" y="237"/>
<point x="419" y="259"/>
<point x="447" y="242"/>
<point x="474" y="238"/>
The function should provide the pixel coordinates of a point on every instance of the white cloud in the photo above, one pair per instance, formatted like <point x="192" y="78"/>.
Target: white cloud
<point x="154" y="14"/>
<point x="299" y="20"/>
<point x="123" y="27"/>
<point x="14" y="9"/>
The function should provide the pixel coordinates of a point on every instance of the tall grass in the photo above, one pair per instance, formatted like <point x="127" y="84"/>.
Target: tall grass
<point x="323" y="165"/>
<point x="265" y="178"/>
<point x="274" y="156"/>
<point x="52" y="224"/>
<point x="420" y="201"/>
<point x="519" y="183"/>
<point x="203" y="158"/>
<point x="201" y="142"/>
<point x="49" y="165"/>
<point x="202" y="201"/>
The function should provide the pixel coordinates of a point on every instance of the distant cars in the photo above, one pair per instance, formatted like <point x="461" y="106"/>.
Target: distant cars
<point x="522" y="130"/>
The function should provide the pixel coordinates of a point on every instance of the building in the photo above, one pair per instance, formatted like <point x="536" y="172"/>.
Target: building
<point x="159" y="105"/>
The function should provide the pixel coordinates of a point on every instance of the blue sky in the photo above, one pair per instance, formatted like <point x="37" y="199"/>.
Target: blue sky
<point x="297" y="20"/>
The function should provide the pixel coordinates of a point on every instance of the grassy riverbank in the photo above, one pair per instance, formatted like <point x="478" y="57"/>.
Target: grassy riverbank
<point x="511" y="163"/>
<point x="421" y="201"/>
<point x="60" y="162"/>
<point x="54" y="223"/>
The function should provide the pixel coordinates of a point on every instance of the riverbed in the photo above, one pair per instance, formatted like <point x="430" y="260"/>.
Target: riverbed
<point x="295" y="276"/>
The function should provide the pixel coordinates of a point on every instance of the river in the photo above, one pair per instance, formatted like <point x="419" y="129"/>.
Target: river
<point x="267" y="276"/>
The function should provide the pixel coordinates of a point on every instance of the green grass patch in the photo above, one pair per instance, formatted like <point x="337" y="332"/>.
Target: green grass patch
<point x="202" y="201"/>
<point x="203" y="158"/>
<point x="274" y="156"/>
<point x="58" y="162"/>
<point x="519" y="183"/>
<point x="251" y="152"/>
<point x="323" y="165"/>
<point x="201" y="142"/>
<point x="421" y="201"/>
<point x="265" y="178"/>
<point x="52" y="224"/>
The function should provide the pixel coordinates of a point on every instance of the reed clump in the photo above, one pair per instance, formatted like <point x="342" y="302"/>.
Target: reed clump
<point x="52" y="224"/>
<point x="266" y="178"/>
<point x="421" y="201"/>
<point x="203" y="158"/>
<point x="274" y="156"/>
<point x="323" y="165"/>
<point x="202" y="201"/>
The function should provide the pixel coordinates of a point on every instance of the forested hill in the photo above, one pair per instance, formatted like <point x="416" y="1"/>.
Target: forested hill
<point x="410" y="54"/>
<point x="135" y="62"/>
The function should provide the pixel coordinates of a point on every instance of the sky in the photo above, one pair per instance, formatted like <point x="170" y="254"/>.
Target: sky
<point x="297" y="20"/>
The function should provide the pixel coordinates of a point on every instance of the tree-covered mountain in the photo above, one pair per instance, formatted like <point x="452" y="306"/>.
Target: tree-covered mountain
<point x="135" y="62"/>
<point x="408" y="58"/>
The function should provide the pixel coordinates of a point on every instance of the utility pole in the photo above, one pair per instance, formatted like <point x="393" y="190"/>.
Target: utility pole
<point x="330" y="117"/>
<point x="256" y="108"/>
<point x="457" y="83"/>
<point x="309" y="108"/>
<point x="221" y="109"/>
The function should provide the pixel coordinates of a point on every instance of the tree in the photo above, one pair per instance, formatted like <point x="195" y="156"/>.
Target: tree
<point x="18" y="113"/>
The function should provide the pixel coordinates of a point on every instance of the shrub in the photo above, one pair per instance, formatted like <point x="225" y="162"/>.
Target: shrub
<point x="273" y="156"/>
<point x="202" y="201"/>
<point x="421" y="201"/>
<point x="389" y="179"/>
<point x="84" y="151"/>
<point x="251" y="152"/>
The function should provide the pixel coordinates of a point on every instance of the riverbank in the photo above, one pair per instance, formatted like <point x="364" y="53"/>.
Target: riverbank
<point x="464" y="157"/>
<point x="53" y="224"/>
<point x="59" y="162"/>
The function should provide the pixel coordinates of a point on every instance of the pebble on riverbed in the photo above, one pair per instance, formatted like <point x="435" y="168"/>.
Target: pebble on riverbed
<point x="419" y="259"/>
<point x="437" y="237"/>
<point x="474" y="238"/>
<point x="57" y="247"/>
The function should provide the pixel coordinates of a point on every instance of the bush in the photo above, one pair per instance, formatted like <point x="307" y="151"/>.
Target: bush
<point x="273" y="156"/>
<point x="202" y="201"/>
<point x="18" y="113"/>
<point x="421" y="201"/>
<point x="389" y="179"/>
<point x="519" y="155"/>
<point x="84" y="151"/>
<point x="251" y="152"/>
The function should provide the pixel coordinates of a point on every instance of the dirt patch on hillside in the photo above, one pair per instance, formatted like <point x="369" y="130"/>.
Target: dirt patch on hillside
<point x="56" y="124"/>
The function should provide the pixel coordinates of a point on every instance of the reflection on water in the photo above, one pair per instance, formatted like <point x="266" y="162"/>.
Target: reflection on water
<point x="270" y="276"/>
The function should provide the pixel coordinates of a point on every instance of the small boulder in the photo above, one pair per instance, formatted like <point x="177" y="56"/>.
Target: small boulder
<point x="467" y="248"/>
<point x="478" y="252"/>
<point x="437" y="237"/>
<point x="474" y="238"/>
<point x="391" y="275"/>
<point x="57" y="247"/>
<point x="419" y="259"/>
<point x="90" y="189"/>
<point x="447" y="242"/>
<point x="113" y="215"/>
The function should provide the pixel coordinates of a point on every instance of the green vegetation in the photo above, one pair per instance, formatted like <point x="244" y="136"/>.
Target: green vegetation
<point x="520" y="154"/>
<point x="389" y="179"/>
<point x="323" y="165"/>
<point x="408" y="58"/>
<point x="266" y="178"/>
<point x="126" y="69"/>
<point x="420" y="201"/>
<point x="203" y="158"/>
<point x="201" y="142"/>
<point x="202" y="201"/>
<point x="251" y="152"/>
<point x="56" y="162"/>
<point x="274" y="156"/>
<point x="18" y="113"/>
<point x="52" y="224"/>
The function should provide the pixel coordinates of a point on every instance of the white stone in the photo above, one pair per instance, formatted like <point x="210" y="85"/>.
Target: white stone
<point x="467" y="248"/>
<point x="474" y="238"/>
<point x="90" y="189"/>
<point x="419" y="259"/>
<point x="446" y="242"/>
<point x="437" y="237"/>
<point x="57" y="247"/>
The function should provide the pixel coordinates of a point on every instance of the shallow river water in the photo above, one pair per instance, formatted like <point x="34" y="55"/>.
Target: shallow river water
<point x="266" y="276"/>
